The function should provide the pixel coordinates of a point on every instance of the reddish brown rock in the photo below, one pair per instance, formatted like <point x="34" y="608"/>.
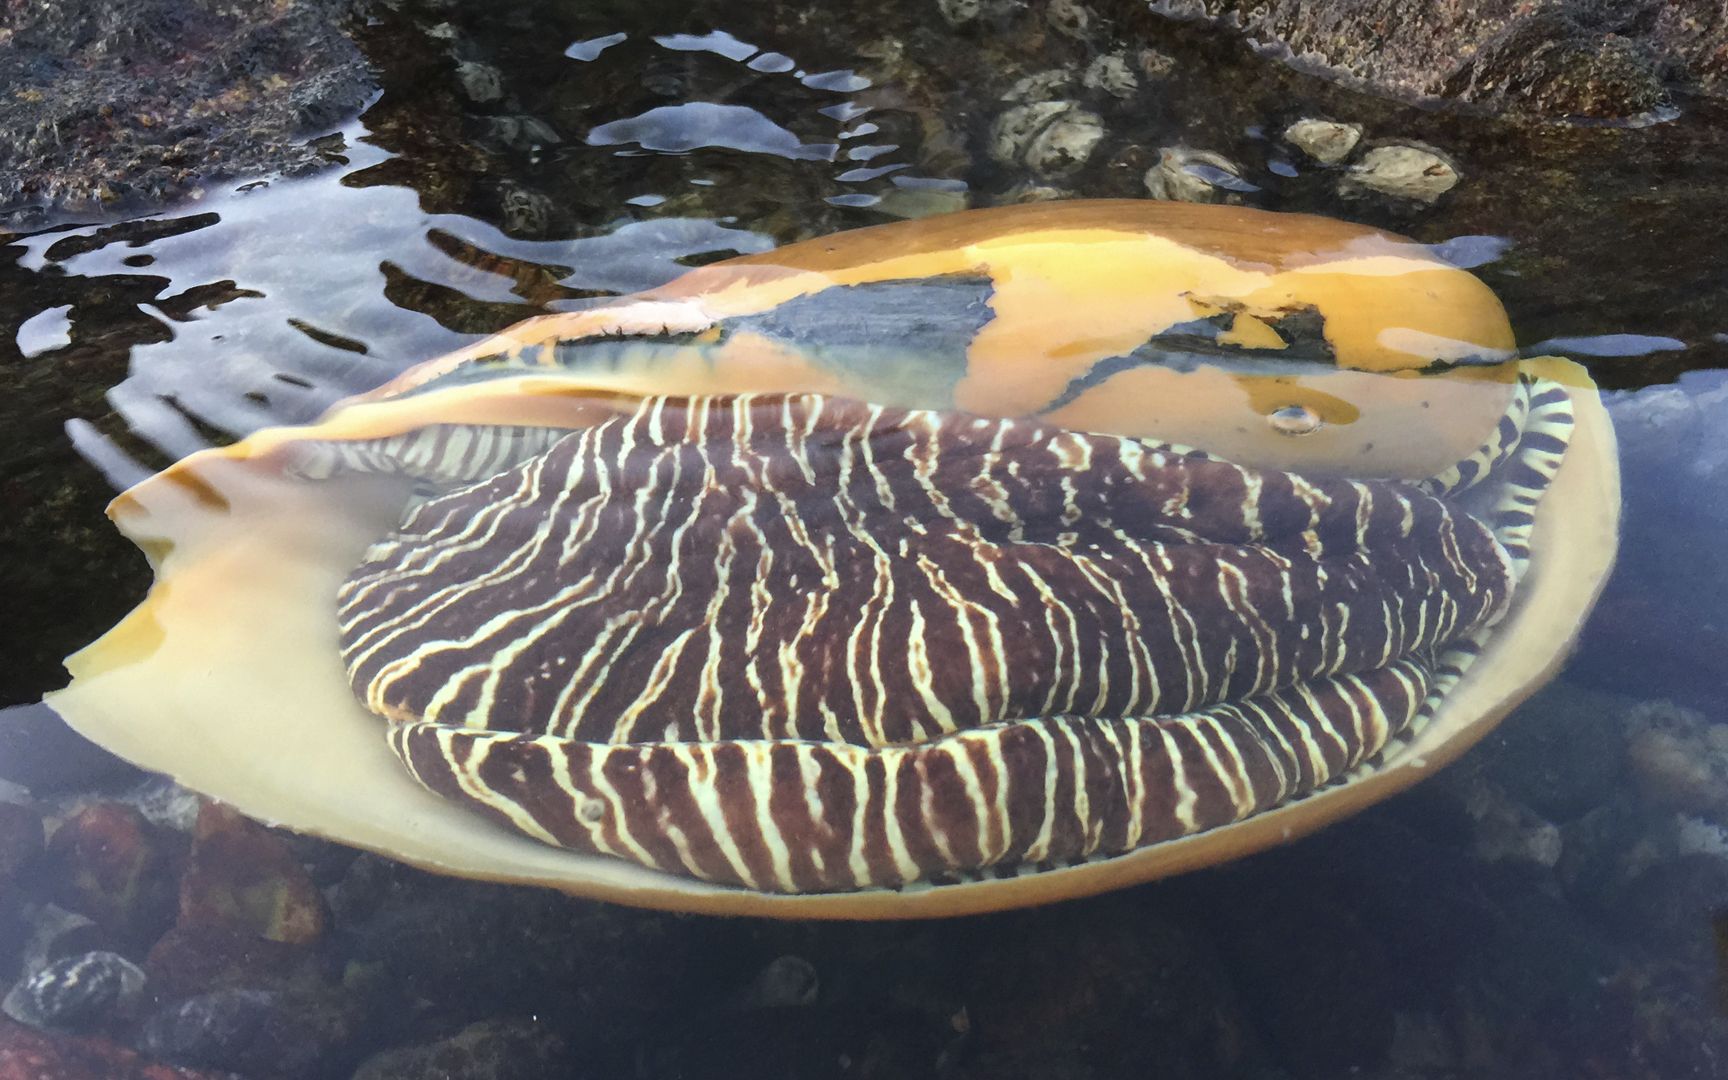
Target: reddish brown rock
<point x="28" y="1054"/>
<point x="111" y="865"/>
<point x="196" y="959"/>
<point x="243" y="877"/>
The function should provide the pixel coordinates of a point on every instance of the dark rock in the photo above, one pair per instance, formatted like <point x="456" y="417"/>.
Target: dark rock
<point x="1569" y="58"/>
<point x="468" y="949"/>
<point x="28" y="1054"/>
<point x="245" y="878"/>
<point x="1080" y="986"/>
<point x="190" y="960"/>
<point x="139" y="100"/>
<point x="256" y="1032"/>
<point x="79" y="993"/>
<point x="38" y="751"/>
<point x="785" y="982"/>
<point x="1678" y="908"/>
<point x="488" y="1050"/>
<point x="110" y="864"/>
<point x="1603" y="851"/>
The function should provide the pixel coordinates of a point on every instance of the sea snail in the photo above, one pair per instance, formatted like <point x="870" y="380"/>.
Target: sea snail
<point x="936" y="567"/>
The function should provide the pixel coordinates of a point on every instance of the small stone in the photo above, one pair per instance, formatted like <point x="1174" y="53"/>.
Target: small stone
<point x="1111" y="74"/>
<point x="959" y="12"/>
<point x="786" y="982"/>
<point x="522" y="132"/>
<point x="1070" y="18"/>
<point x="1048" y="85"/>
<point x="246" y="1031"/>
<point x="526" y="213"/>
<point x="1196" y="176"/>
<point x="1154" y="64"/>
<point x="1053" y="139"/>
<point x="488" y="1050"/>
<point x="1326" y="141"/>
<point x="902" y="202"/>
<point x="1032" y="193"/>
<point x="108" y="863"/>
<point x="1064" y="147"/>
<point x="243" y="877"/>
<point x="1402" y="171"/>
<point x="483" y="83"/>
<point x="1508" y="831"/>
<point x="79" y="993"/>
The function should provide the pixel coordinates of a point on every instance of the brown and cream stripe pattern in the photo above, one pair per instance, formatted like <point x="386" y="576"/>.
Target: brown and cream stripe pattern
<point x="800" y="643"/>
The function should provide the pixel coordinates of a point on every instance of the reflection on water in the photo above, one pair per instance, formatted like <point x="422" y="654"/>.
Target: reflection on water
<point x="281" y="335"/>
<point x="1543" y="909"/>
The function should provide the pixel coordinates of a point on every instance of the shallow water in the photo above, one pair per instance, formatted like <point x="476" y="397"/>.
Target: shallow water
<point x="1542" y="909"/>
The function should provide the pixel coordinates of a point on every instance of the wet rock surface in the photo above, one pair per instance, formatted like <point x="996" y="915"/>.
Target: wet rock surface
<point x="134" y="102"/>
<point x="1564" y="58"/>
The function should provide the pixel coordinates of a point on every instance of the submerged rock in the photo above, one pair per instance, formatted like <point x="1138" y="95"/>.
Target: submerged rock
<point x="488" y="1050"/>
<point x="255" y="1032"/>
<point x="79" y="993"/>
<point x="1052" y="139"/>
<point x="1404" y="172"/>
<point x="111" y="865"/>
<point x="1567" y="58"/>
<point x="243" y="877"/>
<point x="1326" y="141"/>
<point x="139" y="100"/>
<point x="28" y="1054"/>
<point x="1196" y="176"/>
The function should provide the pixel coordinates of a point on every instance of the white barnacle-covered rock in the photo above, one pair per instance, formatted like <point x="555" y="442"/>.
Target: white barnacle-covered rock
<point x="1047" y="85"/>
<point x="959" y="12"/>
<point x="1050" y="138"/>
<point x="1112" y="74"/>
<point x="1070" y="18"/>
<point x="1405" y="171"/>
<point x="1195" y="176"/>
<point x="1326" y="141"/>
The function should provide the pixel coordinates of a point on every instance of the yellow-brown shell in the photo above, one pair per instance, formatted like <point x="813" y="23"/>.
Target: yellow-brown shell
<point x="227" y="676"/>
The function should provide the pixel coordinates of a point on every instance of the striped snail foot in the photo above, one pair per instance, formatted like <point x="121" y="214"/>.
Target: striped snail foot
<point x="802" y="644"/>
